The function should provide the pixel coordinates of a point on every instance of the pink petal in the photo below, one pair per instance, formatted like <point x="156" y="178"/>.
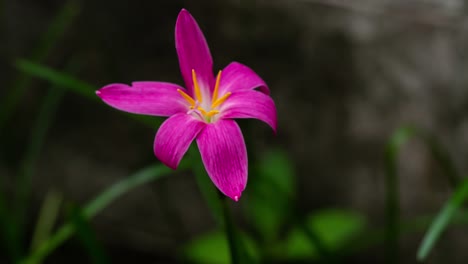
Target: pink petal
<point x="148" y="98"/>
<point x="238" y="77"/>
<point x="174" y="137"/>
<point x="250" y="104"/>
<point x="193" y="53"/>
<point x="224" y="155"/>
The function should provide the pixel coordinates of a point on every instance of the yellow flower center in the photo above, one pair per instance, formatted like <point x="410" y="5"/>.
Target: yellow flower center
<point x="195" y="104"/>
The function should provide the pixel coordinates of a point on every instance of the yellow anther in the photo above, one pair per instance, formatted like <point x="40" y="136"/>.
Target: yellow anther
<point x="212" y="113"/>
<point x="215" y="91"/>
<point x="220" y="100"/>
<point x="204" y="113"/>
<point x="198" y="94"/>
<point x="187" y="97"/>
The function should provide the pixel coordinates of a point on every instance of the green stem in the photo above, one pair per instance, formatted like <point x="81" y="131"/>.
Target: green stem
<point x="230" y="230"/>
<point x="392" y="201"/>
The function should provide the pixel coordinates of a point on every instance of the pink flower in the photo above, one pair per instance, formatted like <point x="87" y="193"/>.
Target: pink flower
<point x="203" y="111"/>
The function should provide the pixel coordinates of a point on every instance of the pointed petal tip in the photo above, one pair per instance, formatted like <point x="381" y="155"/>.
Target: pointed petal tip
<point x="171" y="165"/>
<point x="183" y="13"/>
<point x="236" y="198"/>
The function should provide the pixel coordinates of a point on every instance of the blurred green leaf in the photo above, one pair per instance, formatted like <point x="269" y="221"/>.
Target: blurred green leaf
<point x="392" y="200"/>
<point x="55" y="77"/>
<point x="442" y="220"/>
<point x="9" y="232"/>
<point x="47" y="216"/>
<point x="28" y="163"/>
<point x="332" y="226"/>
<point x="97" y="204"/>
<point x="55" y="31"/>
<point x="87" y="236"/>
<point x="270" y="194"/>
<point x="398" y="139"/>
<point x="67" y="81"/>
<point x="213" y="248"/>
<point x="208" y="190"/>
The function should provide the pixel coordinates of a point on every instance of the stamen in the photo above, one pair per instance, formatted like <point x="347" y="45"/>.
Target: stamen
<point x="212" y="113"/>
<point x="198" y="94"/>
<point x="215" y="92"/>
<point x="220" y="100"/>
<point x="204" y="113"/>
<point x="186" y="97"/>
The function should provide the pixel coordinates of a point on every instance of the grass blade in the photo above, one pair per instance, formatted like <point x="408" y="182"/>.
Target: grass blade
<point x="442" y="220"/>
<point x="392" y="201"/>
<point x="47" y="217"/>
<point x="75" y="85"/>
<point x="97" y="204"/>
<point x="49" y="40"/>
<point x="87" y="236"/>
<point x="37" y="138"/>
<point x="55" y="77"/>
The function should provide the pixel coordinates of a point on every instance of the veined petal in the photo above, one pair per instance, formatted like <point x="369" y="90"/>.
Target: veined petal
<point x="224" y="155"/>
<point x="174" y="137"/>
<point x="193" y="53"/>
<point x="148" y="98"/>
<point x="250" y="104"/>
<point x="238" y="77"/>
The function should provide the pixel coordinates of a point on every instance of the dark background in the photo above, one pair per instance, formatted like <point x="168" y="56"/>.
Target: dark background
<point x="344" y="75"/>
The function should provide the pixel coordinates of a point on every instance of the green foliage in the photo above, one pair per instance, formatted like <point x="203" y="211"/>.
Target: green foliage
<point x="270" y="194"/>
<point x="47" y="217"/>
<point x="443" y="219"/>
<point x="96" y="205"/>
<point x="55" y="31"/>
<point x="207" y="188"/>
<point x="333" y="227"/>
<point x="87" y="236"/>
<point x="213" y="248"/>
<point x="72" y="84"/>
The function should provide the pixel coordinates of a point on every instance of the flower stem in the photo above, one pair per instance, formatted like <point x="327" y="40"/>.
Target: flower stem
<point x="230" y="230"/>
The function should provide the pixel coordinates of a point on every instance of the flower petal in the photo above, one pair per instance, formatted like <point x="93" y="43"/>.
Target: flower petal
<point x="193" y="53"/>
<point x="238" y="77"/>
<point x="224" y="155"/>
<point x="174" y="137"/>
<point x="148" y="98"/>
<point x="250" y="104"/>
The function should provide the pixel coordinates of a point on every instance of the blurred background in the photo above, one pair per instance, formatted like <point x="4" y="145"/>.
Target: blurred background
<point x="345" y="75"/>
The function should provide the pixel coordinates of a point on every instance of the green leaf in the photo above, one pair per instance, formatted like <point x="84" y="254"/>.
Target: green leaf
<point x="58" y="78"/>
<point x="392" y="196"/>
<point x="47" y="217"/>
<point x="398" y="139"/>
<point x="213" y="248"/>
<point x="8" y="232"/>
<point x="67" y="81"/>
<point x="87" y="236"/>
<point x="443" y="219"/>
<point x="270" y="194"/>
<point x="57" y="28"/>
<point x="332" y="226"/>
<point x="207" y="188"/>
<point x="28" y="163"/>
<point x="97" y="204"/>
